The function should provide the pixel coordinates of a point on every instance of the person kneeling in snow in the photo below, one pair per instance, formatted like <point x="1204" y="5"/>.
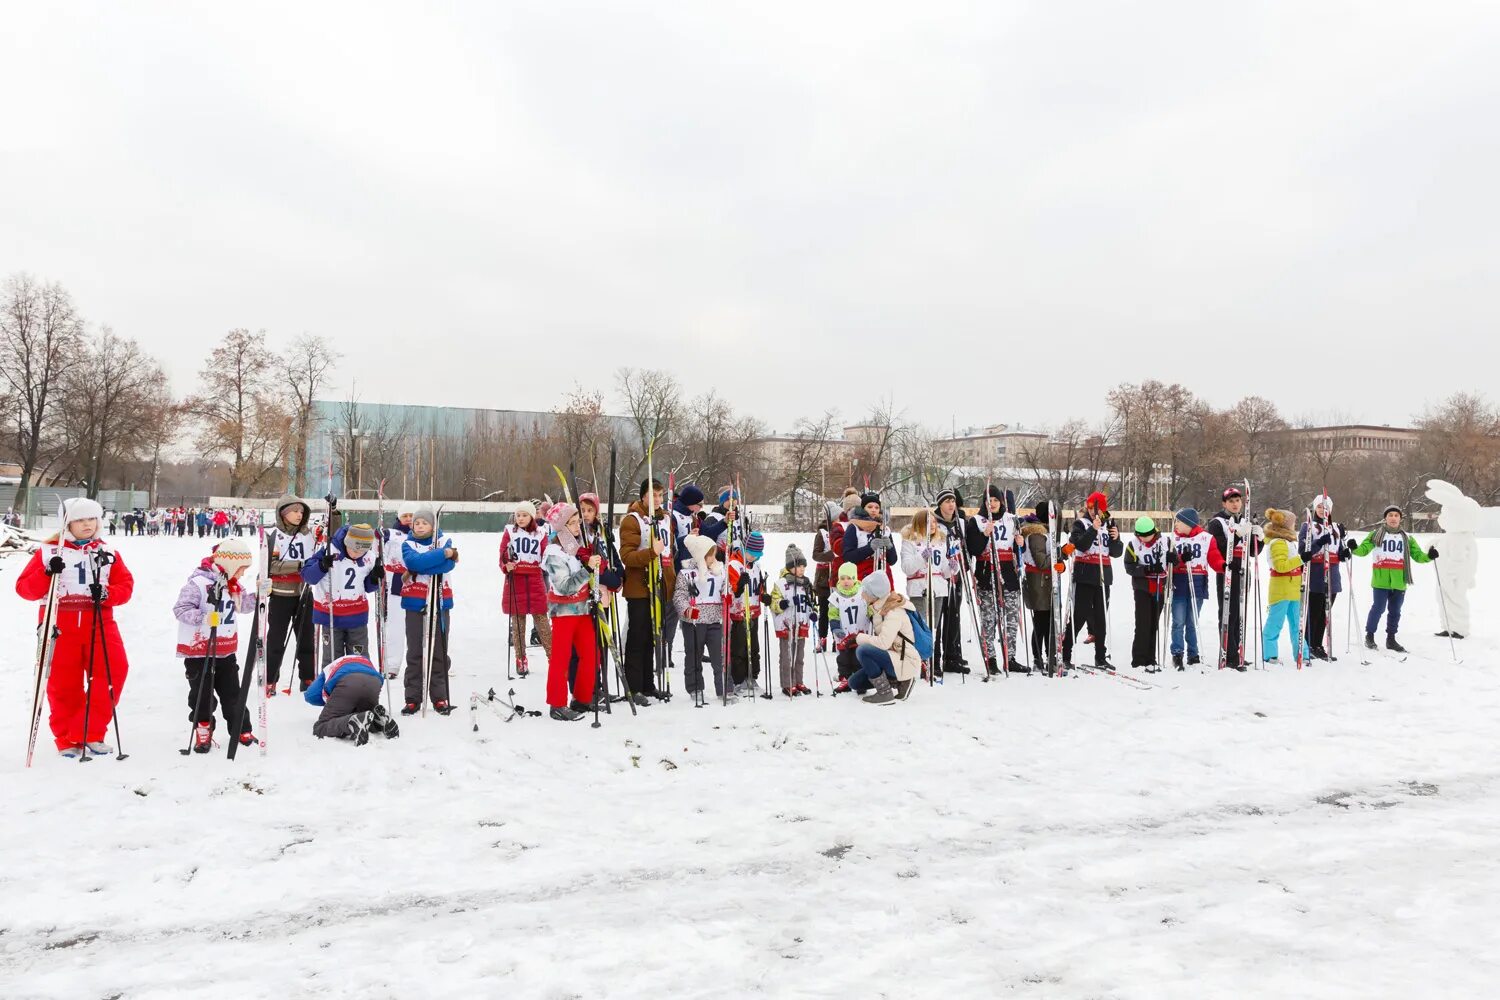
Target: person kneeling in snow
<point x="348" y="689"/>
<point x="889" y="653"/>
<point x="215" y="589"/>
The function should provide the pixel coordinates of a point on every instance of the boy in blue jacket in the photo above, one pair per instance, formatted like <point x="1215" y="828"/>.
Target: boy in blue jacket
<point x="341" y="605"/>
<point x="426" y="554"/>
<point x="349" y="691"/>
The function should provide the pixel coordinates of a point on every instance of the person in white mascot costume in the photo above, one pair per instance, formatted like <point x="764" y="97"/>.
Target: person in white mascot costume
<point x="1463" y="521"/>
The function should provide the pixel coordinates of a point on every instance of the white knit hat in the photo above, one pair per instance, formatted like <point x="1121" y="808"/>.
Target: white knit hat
<point x="526" y="507"/>
<point x="699" y="546"/>
<point x="406" y="507"/>
<point x="79" y="509"/>
<point x="1326" y="501"/>
<point x="233" y="550"/>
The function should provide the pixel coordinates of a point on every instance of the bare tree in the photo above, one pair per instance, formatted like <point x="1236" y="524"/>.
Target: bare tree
<point x="582" y="425"/>
<point x="805" y="459"/>
<point x="312" y="361"/>
<point x="110" y="400"/>
<point x="241" y="415"/>
<point x="40" y="338"/>
<point x="652" y="399"/>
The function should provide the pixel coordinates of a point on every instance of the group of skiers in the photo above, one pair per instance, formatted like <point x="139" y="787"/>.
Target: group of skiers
<point x="678" y="567"/>
<point x="204" y="522"/>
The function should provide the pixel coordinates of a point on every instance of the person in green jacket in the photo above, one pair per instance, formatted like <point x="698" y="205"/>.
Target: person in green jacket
<point x="1392" y="575"/>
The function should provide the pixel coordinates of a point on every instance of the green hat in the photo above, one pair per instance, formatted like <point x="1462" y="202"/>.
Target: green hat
<point x="1145" y="526"/>
<point x="848" y="571"/>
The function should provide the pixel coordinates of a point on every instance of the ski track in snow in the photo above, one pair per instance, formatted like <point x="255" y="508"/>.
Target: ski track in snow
<point x="1323" y="834"/>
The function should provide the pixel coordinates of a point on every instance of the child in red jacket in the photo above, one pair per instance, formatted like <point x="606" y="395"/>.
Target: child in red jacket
<point x="88" y="659"/>
<point x="522" y="547"/>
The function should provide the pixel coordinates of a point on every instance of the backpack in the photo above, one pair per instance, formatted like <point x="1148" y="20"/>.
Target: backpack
<point x="922" y="634"/>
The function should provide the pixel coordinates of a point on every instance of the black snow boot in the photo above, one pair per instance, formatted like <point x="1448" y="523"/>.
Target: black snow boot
<point x="1393" y="645"/>
<point x="1370" y="641"/>
<point x="565" y="714"/>
<point x="1177" y="661"/>
<point x="1017" y="667"/>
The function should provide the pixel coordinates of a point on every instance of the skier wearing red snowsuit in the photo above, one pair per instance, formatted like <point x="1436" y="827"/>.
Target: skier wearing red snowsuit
<point x="77" y="642"/>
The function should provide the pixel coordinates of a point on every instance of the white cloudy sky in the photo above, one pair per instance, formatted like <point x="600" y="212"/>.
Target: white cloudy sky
<point x="1019" y="204"/>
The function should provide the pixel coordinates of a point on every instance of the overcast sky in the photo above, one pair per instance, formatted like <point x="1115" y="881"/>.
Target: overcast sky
<point x="1020" y="205"/>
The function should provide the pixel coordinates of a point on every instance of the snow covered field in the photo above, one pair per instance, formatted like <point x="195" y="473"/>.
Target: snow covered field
<point x="1271" y="834"/>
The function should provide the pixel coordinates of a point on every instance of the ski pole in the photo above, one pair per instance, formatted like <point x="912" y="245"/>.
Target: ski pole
<point x="206" y="676"/>
<point x="1442" y="603"/>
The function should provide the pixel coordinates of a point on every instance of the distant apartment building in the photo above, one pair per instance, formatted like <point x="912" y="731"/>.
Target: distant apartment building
<point x="1359" y="440"/>
<point x="996" y="446"/>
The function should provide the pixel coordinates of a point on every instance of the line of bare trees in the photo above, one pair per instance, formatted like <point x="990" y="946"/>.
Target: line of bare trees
<point x="86" y="406"/>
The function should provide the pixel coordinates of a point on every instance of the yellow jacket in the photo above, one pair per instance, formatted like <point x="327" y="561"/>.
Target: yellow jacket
<point x="1286" y="570"/>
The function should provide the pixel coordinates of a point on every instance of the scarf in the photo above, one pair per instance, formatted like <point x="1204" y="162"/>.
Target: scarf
<point x="1381" y="533"/>
<point x="567" y="540"/>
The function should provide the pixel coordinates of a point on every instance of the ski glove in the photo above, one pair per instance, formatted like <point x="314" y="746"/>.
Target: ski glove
<point x="332" y="501"/>
<point x="325" y="561"/>
<point x="1432" y="552"/>
<point x="98" y="593"/>
<point x="377" y="573"/>
<point x="55" y="566"/>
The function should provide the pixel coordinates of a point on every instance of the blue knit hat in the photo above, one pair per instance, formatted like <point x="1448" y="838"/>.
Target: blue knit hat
<point x="755" y="544"/>
<point x="689" y="495"/>
<point x="1188" y="516"/>
<point x="728" y="493"/>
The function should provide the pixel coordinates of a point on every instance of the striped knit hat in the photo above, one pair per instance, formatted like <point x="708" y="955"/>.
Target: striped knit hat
<point x="755" y="544"/>
<point x="360" y="534"/>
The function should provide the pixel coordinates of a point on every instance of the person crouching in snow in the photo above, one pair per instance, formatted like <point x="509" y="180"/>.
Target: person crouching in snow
<point x="1392" y="575"/>
<point x="348" y="689"/>
<point x="426" y="554"/>
<point x="792" y="605"/>
<point x="210" y="605"/>
<point x="698" y="596"/>
<point x="351" y="571"/>
<point x="569" y="572"/>
<point x="88" y="656"/>
<point x="522" y="546"/>
<point x="1284" y="600"/>
<point x="888" y="655"/>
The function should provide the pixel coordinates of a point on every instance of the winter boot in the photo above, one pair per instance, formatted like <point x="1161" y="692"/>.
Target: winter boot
<point x="203" y="738"/>
<point x="841" y="686"/>
<point x="580" y="706"/>
<point x="883" y="694"/>
<point x="521" y="669"/>
<point x="990" y="666"/>
<point x="271" y="690"/>
<point x="248" y="740"/>
<point x="1017" y="667"/>
<point x="565" y="714"/>
<point x="1370" y="641"/>
<point x="99" y="749"/>
<point x="442" y="707"/>
<point x="1390" y="643"/>
<point x="1104" y="665"/>
<point x="410" y="708"/>
<point x="358" y="728"/>
<point x="1177" y="661"/>
<point x="1272" y="661"/>
<point x="903" y="689"/>
<point x="70" y="753"/>
<point x="1194" y="659"/>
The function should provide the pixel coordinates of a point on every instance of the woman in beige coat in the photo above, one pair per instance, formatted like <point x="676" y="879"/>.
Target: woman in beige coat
<point x="888" y="653"/>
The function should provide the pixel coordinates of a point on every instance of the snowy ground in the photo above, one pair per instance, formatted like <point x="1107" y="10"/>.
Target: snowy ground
<point x="1272" y="834"/>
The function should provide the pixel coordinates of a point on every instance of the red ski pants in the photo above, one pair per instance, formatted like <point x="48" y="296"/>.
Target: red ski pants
<point x="67" y="697"/>
<point x="571" y="633"/>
